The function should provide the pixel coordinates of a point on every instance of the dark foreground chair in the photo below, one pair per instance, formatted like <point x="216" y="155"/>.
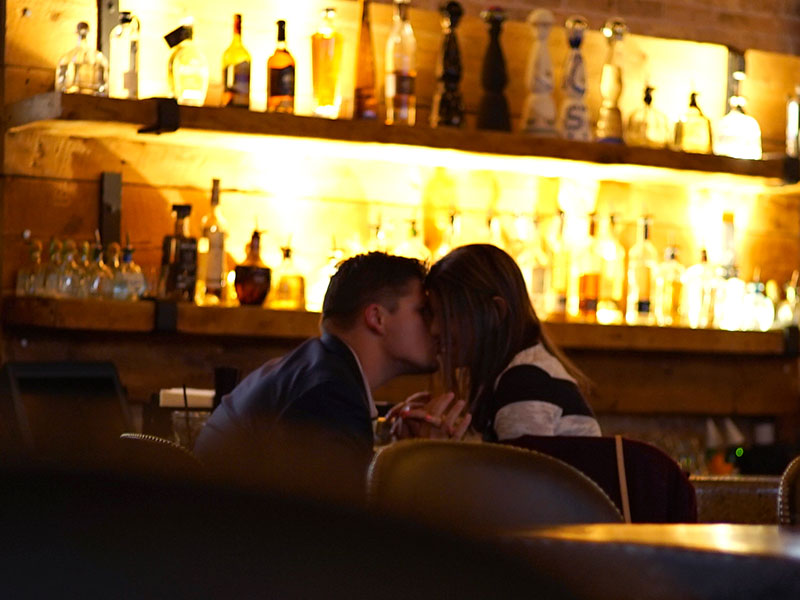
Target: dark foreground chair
<point x="789" y="494"/>
<point x="483" y="488"/>
<point x="79" y="534"/>
<point x="657" y="490"/>
<point x="152" y="455"/>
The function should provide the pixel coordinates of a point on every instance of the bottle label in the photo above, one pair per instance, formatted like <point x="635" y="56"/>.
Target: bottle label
<point x="281" y="81"/>
<point x="131" y="76"/>
<point x="215" y="269"/>
<point x="643" y="307"/>
<point x="237" y="84"/>
<point x="399" y="84"/>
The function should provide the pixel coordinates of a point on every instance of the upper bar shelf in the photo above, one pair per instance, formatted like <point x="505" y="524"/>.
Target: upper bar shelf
<point x="95" y="117"/>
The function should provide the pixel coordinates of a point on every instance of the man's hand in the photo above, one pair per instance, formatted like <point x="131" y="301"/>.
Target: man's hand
<point x="421" y="416"/>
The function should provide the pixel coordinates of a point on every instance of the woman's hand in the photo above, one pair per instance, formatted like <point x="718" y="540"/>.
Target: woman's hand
<point x="422" y="416"/>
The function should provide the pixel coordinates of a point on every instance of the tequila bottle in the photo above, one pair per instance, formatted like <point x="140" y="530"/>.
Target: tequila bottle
<point x="289" y="292"/>
<point x="211" y="271"/>
<point x="128" y="282"/>
<point x="280" y="75"/>
<point x="98" y="276"/>
<point x="253" y="277"/>
<point x="236" y="63"/>
<point x="642" y="264"/>
<point x="187" y="68"/>
<point x="123" y="58"/>
<point x="50" y="288"/>
<point x="451" y="236"/>
<point x="69" y="274"/>
<point x="319" y="286"/>
<point x="560" y="258"/>
<point x="26" y="284"/>
<point x="534" y="263"/>
<point x="326" y="60"/>
<point x="612" y="273"/>
<point x="609" y="121"/>
<point x="738" y="134"/>
<point x="700" y="291"/>
<point x="493" y="111"/>
<point x="573" y="118"/>
<point x="647" y="126"/>
<point x="365" y="102"/>
<point x="539" y="110"/>
<point x="760" y="310"/>
<point x="82" y="70"/>
<point x="586" y="270"/>
<point x="669" y="304"/>
<point x="730" y="289"/>
<point x="693" y="130"/>
<point x="401" y="68"/>
<point x="448" y="105"/>
<point x="793" y="124"/>
<point x="413" y="246"/>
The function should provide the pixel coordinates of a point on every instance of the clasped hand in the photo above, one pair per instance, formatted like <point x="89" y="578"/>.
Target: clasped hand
<point x="423" y="416"/>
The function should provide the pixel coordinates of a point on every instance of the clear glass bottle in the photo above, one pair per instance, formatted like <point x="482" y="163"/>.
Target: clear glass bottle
<point x="319" y="286"/>
<point x="123" y="58"/>
<point x="113" y="258"/>
<point x="289" y="291"/>
<point x="211" y="267"/>
<point x="793" y="124"/>
<point x="326" y="61"/>
<point x="534" y="263"/>
<point x="669" y="294"/>
<point x="401" y="68"/>
<point x="365" y="101"/>
<point x="29" y="272"/>
<point x="128" y="283"/>
<point x="560" y="258"/>
<point x="69" y="275"/>
<point x="413" y="246"/>
<point x="187" y="69"/>
<point x="236" y="70"/>
<point x="586" y="271"/>
<point x="609" y="120"/>
<point x="693" y="129"/>
<point x="451" y="236"/>
<point x="737" y="134"/>
<point x="252" y="277"/>
<point x="759" y="309"/>
<point x="730" y="290"/>
<point x="82" y="70"/>
<point x="647" y="126"/>
<point x="280" y="75"/>
<point x="50" y="288"/>
<point x="699" y="292"/>
<point x="642" y="264"/>
<point x="611" y="254"/>
<point x="99" y="278"/>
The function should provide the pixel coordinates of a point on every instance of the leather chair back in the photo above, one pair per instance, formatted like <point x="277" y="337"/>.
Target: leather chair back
<point x="483" y="488"/>
<point x="152" y="455"/>
<point x="789" y="494"/>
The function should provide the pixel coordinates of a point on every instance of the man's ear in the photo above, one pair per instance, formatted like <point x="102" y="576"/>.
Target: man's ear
<point x="501" y="305"/>
<point x="373" y="318"/>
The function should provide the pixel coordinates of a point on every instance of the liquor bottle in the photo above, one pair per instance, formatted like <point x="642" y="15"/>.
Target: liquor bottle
<point x="236" y="70"/>
<point x="534" y="263"/>
<point x="50" y="288"/>
<point x="319" y="286"/>
<point x="669" y="302"/>
<point x="693" y="130"/>
<point x="280" y="75"/>
<point x="560" y="258"/>
<point x="289" y="291"/>
<point x="700" y="292"/>
<point x="326" y="60"/>
<point x="253" y="277"/>
<point x="413" y="246"/>
<point x="69" y="275"/>
<point x="730" y="289"/>
<point x="401" y="69"/>
<point x="642" y="263"/>
<point x="365" y="102"/>
<point x="647" y="126"/>
<point x="493" y="111"/>
<point x="82" y="70"/>
<point x="611" y="254"/>
<point x="448" y="104"/>
<point x="539" y="109"/>
<point x="179" y="259"/>
<point x="737" y="134"/>
<point x="187" y="69"/>
<point x="128" y="282"/>
<point x="585" y="273"/>
<point x="28" y="273"/>
<point x="573" y="116"/>
<point x="793" y="124"/>
<point x="451" y="236"/>
<point x="98" y="275"/>
<point x="123" y="58"/>
<point x="211" y="272"/>
<point x="786" y="309"/>
<point x="759" y="309"/>
<point x="609" y="121"/>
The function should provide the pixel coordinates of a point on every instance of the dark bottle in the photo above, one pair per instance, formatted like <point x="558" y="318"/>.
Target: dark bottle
<point x="280" y="76"/>
<point x="179" y="259"/>
<point x="493" y="110"/>
<point x="253" y="277"/>
<point x="366" y="104"/>
<point x="448" y="106"/>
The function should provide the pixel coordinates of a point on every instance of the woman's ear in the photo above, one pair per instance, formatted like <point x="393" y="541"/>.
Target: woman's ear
<point x="501" y="305"/>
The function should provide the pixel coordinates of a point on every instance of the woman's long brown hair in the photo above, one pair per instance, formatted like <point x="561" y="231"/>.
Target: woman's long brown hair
<point x="486" y="318"/>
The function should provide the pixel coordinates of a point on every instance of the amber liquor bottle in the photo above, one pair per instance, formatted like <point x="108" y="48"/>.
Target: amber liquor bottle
<point x="366" y="104"/>
<point x="179" y="259"/>
<point x="280" y="76"/>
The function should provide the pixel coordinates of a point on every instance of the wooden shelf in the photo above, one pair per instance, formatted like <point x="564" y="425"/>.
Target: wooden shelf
<point x="90" y="117"/>
<point x="254" y="322"/>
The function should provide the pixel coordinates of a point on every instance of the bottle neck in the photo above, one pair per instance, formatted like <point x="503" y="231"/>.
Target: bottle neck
<point x="237" y="27"/>
<point x="644" y="231"/>
<point x="181" y="227"/>
<point x="401" y="11"/>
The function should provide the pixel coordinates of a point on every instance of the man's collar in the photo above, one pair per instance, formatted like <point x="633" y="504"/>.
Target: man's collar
<point x="331" y="340"/>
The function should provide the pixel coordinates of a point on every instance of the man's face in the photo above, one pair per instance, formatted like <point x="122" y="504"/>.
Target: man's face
<point x="408" y="338"/>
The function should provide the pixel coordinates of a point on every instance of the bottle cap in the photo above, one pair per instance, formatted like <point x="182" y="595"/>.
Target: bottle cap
<point x="182" y="210"/>
<point x="176" y="36"/>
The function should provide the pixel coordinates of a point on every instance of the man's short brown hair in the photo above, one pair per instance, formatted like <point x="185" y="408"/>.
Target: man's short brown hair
<point x="364" y="279"/>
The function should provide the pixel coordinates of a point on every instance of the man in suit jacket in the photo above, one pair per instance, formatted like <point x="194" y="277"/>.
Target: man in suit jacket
<point x="307" y="417"/>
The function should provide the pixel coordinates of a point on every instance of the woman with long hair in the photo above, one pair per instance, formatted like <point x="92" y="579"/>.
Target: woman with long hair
<point x="495" y="353"/>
